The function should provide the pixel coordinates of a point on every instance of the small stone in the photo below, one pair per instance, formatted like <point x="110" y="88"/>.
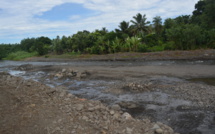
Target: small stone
<point x="57" y="128"/>
<point x="70" y="75"/>
<point x="83" y="75"/>
<point x="116" y="107"/>
<point x="155" y="126"/>
<point x="32" y="105"/>
<point x="112" y="112"/>
<point x="128" y="130"/>
<point x="70" y="95"/>
<point x="132" y="106"/>
<point x="62" y="94"/>
<point x="79" y="107"/>
<point x="85" y="118"/>
<point x="105" y="127"/>
<point x="116" y="115"/>
<point x="103" y="132"/>
<point x="127" y="116"/>
<point x="29" y="84"/>
<point x="60" y="120"/>
<point x="59" y="75"/>
<point x="159" y="131"/>
<point x="91" y="109"/>
<point x="63" y="70"/>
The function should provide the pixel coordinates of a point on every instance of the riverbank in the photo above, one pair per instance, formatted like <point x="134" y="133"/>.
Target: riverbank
<point x="31" y="107"/>
<point x="173" y="92"/>
<point x="202" y="54"/>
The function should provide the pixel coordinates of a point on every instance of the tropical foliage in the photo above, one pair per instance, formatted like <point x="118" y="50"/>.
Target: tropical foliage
<point x="185" y="32"/>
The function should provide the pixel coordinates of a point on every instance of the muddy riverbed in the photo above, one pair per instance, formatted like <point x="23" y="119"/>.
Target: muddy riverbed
<point x="178" y="93"/>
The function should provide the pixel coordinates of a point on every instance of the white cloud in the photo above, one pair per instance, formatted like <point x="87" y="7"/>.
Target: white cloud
<point x="17" y="16"/>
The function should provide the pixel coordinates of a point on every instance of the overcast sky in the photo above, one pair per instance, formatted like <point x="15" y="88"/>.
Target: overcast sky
<point x="20" y="19"/>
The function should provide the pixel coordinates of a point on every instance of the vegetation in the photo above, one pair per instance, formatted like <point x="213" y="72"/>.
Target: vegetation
<point x="186" y="32"/>
<point x="19" y="55"/>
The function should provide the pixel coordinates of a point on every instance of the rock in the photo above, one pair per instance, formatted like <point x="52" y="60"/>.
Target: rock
<point x="79" y="107"/>
<point x="32" y="105"/>
<point x="127" y="116"/>
<point x="112" y="112"/>
<point x="78" y="74"/>
<point x="132" y="106"/>
<point x="129" y="105"/>
<point x="62" y="94"/>
<point x="82" y="74"/>
<point x="29" y="84"/>
<point x="70" y="75"/>
<point x="91" y="109"/>
<point x="70" y="95"/>
<point x="63" y="70"/>
<point x="59" y="75"/>
<point x="159" y="131"/>
<point x="128" y="130"/>
<point x="85" y="118"/>
<point x="156" y="126"/>
<point x="24" y="67"/>
<point x="116" y="115"/>
<point x="116" y="107"/>
<point x="103" y="132"/>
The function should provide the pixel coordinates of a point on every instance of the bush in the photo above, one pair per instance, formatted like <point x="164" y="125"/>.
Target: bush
<point x="156" y="48"/>
<point x="142" y="48"/>
<point x="19" y="55"/>
<point x="169" y="45"/>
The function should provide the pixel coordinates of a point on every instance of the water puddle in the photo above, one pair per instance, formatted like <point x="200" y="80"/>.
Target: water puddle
<point x="209" y="81"/>
<point x="16" y="73"/>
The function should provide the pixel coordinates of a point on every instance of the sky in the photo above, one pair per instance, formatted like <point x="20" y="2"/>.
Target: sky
<point x="21" y="19"/>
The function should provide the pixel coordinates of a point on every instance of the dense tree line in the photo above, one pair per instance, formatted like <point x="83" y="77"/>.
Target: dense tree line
<point x="5" y="49"/>
<point x="186" y="32"/>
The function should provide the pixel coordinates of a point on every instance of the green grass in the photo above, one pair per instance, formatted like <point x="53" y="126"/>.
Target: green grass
<point x="20" y="55"/>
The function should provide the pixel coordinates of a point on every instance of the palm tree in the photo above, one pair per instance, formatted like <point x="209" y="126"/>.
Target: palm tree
<point x="140" y="23"/>
<point x="123" y="27"/>
<point x="157" y="23"/>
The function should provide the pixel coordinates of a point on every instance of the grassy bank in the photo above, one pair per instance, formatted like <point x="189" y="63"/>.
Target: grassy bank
<point x="20" y="55"/>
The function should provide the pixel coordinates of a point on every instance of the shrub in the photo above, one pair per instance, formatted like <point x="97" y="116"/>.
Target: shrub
<point x="19" y="55"/>
<point x="156" y="48"/>
<point x="142" y="48"/>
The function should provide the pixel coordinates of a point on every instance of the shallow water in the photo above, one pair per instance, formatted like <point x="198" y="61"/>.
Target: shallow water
<point x="113" y="63"/>
<point x="209" y="81"/>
